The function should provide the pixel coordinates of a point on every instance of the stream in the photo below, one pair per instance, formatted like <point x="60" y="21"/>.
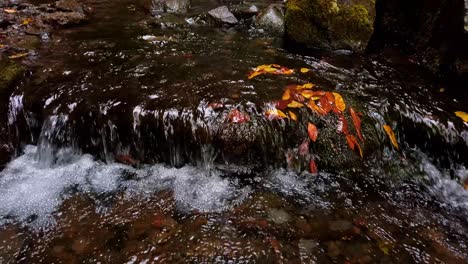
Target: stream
<point x="122" y="158"/>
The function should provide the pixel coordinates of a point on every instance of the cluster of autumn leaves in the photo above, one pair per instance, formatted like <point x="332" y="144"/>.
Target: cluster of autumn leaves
<point x="320" y="102"/>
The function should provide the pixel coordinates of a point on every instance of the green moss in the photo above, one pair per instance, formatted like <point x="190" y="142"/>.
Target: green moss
<point x="330" y="24"/>
<point x="9" y="72"/>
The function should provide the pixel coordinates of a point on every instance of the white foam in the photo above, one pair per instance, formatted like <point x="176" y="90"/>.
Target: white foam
<point x="30" y="190"/>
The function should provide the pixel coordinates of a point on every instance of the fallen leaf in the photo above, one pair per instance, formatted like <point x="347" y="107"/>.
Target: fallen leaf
<point x="391" y="135"/>
<point x="305" y="70"/>
<point x="306" y="86"/>
<point x="215" y="106"/>
<point x="274" y="114"/>
<point x="313" y="167"/>
<point x="18" y="55"/>
<point x="282" y="104"/>
<point x="236" y="116"/>
<point x="343" y="125"/>
<point x="254" y="74"/>
<point x="330" y="98"/>
<point x="295" y="104"/>
<point x="353" y="143"/>
<point x="275" y="245"/>
<point x="339" y="102"/>
<point x="9" y="10"/>
<point x="462" y="115"/>
<point x="312" y="131"/>
<point x="325" y="104"/>
<point x="297" y="96"/>
<point x="312" y="105"/>
<point x="356" y="122"/>
<point x="304" y="147"/>
<point x="27" y="21"/>
<point x="293" y="116"/>
<point x="307" y="94"/>
<point x="286" y="94"/>
<point x="271" y="69"/>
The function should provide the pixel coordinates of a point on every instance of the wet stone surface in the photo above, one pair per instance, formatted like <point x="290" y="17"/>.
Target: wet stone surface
<point x="136" y="156"/>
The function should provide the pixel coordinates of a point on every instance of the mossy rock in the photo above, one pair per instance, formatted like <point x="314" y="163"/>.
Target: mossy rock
<point x="330" y="24"/>
<point x="9" y="73"/>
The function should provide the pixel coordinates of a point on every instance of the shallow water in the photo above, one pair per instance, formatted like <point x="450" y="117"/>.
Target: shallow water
<point x="119" y="89"/>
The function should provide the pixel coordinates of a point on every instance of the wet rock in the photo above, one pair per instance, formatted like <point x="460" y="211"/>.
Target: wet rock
<point x="245" y="11"/>
<point x="278" y="216"/>
<point x="69" y="6"/>
<point x="271" y="19"/>
<point x="307" y="245"/>
<point x="223" y="15"/>
<point x="64" y="19"/>
<point x="169" y="21"/>
<point x="340" y="226"/>
<point x="177" y="6"/>
<point x="330" y="24"/>
<point x="11" y="241"/>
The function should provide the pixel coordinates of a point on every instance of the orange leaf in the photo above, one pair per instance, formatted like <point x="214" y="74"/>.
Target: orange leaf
<point x="236" y="116"/>
<point x="319" y="93"/>
<point x="313" y="167"/>
<point x="297" y="96"/>
<point x="339" y="102"/>
<point x="286" y="94"/>
<point x="293" y="116"/>
<point x="295" y="104"/>
<point x="343" y="125"/>
<point x="312" y="105"/>
<point x="391" y="135"/>
<point x="254" y="74"/>
<point x="325" y="104"/>
<point x="312" y="131"/>
<point x="330" y="98"/>
<point x="353" y="143"/>
<point x="357" y="123"/>
<point x="275" y="114"/>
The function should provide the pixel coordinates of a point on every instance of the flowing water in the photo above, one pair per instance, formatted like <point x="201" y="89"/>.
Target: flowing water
<point x="121" y="157"/>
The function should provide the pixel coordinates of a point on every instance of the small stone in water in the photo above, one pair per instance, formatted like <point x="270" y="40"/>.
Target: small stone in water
<point x="278" y="216"/>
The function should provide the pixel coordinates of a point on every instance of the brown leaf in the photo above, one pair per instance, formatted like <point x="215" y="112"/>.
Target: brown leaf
<point x="312" y="131"/>
<point x="353" y="143"/>
<point x="391" y="135"/>
<point x="313" y="167"/>
<point x="295" y="95"/>
<point x="343" y="125"/>
<point x="282" y="104"/>
<point x="236" y="116"/>
<point x="304" y="147"/>
<point x="357" y="123"/>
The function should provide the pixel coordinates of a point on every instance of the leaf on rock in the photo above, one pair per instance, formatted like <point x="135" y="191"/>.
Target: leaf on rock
<point x="282" y="104"/>
<point x="295" y="104"/>
<point x="305" y="70"/>
<point x="306" y="86"/>
<point x="356" y="122"/>
<point x="293" y="116"/>
<point x="27" y="21"/>
<point x="271" y="69"/>
<point x="215" y="106"/>
<point x="307" y="94"/>
<point x="297" y="96"/>
<point x="343" y="125"/>
<point x="304" y="147"/>
<point x="236" y="116"/>
<point x="312" y="105"/>
<point x="254" y="74"/>
<point x="353" y="143"/>
<point x="312" y="131"/>
<point x="18" y="55"/>
<point x="325" y="104"/>
<point x="391" y="135"/>
<point x="274" y="114"/>
<point x="462" y="115"/>
<point x="339" y="102"/>
<point x="286" y="94"/>
<point x="313" y="167"/>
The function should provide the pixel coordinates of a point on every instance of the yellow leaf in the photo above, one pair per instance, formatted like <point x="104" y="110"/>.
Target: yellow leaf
<point x="295" y="104"/>
<point x="293" y="116"/>
<point x="304" y="70"/>
<point x="462" y="115"/>
<point x="18" y="55"/>
<point x="1" y="46"/>
<point x="27" y="21"/>
<point x="253" y="74"/>
<point x="339" y="102"/>
<point x="269" y="69"/>
<point x="275" y="114"/>
<point x="391" y="135"/>
<point x="286" y="94"/>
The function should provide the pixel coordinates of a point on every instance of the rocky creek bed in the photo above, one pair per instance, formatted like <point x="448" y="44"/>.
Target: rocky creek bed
<point x="124" y="149"/>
